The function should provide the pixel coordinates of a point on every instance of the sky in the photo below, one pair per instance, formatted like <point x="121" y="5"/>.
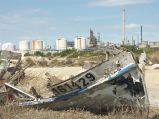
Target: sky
<point x="50" y="19"/>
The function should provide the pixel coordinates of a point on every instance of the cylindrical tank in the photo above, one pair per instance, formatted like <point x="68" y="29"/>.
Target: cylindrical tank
<point x="80" y="43"/>
<point x="61" y="44"/>
<point x="24" y="45"/>
<point x="37" y="45"/>
<point x="8" y="47"/>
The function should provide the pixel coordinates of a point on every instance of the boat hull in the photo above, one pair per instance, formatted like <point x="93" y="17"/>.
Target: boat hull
<point x="107" y="92"/>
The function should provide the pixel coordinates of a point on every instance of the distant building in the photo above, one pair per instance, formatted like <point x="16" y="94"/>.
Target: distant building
<point x="70" y="44"/>
<point x="133" y="42"/>
<point x="154" y="44"/>
<point x="37" y="45"/>
<point x="92" y="40"/>
<point x="24" y="45"/>
<point x="80" y="43"/>
<point x="9" y="47"/>
<point x="61" y="44"/>
<point x="145" y="44"/>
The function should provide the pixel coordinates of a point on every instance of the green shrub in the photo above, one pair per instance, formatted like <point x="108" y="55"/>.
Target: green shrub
<point x="27" y="54"/>
<point x="38" y="53"/>
<point x="49" y="54"/>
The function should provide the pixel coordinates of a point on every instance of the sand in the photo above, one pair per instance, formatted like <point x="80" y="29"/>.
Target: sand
<point x="152" y="84"/>
<point x="35" y="77"/>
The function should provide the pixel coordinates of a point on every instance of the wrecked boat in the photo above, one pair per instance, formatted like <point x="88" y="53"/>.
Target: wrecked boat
<point x="118" y="81"/>
<point x="10" y="71"/>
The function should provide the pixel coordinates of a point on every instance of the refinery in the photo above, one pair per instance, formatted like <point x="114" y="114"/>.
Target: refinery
<point x="80" y="43"/>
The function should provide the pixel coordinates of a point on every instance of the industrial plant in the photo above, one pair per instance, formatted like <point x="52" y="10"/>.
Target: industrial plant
<point x="80" y="42"/>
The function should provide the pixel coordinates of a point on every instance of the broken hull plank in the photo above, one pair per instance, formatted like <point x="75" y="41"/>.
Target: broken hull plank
<point x="18" y="90"/>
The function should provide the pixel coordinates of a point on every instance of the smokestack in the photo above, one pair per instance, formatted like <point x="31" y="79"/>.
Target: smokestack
<point x="123" y="26"/>
<point x="141" y="33"/>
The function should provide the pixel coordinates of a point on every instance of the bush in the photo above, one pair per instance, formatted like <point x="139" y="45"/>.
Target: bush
<point x="38" y="53"/>
<point x="27" y="54"/>
<point x="67" y="52"/>
<point x="48" y="54"/>
<point x="134" y="49"/>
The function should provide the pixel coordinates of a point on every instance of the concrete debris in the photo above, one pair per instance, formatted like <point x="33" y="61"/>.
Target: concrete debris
<point x="155" y="66"/>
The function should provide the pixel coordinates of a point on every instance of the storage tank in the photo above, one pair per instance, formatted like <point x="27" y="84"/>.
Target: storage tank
<point x="61" y="44"/>
<point x="24" y="45"/>
<point x="80" y="43"/>
<point x="37" y="45"/>
<point x="8" y="47"/>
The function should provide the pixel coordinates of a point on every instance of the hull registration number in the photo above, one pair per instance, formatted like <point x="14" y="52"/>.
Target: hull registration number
<point x="71" y="85"/>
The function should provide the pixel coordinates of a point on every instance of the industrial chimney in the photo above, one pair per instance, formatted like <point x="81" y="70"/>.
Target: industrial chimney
<point x="141" y="34"/>
<point x="123" y="27"/>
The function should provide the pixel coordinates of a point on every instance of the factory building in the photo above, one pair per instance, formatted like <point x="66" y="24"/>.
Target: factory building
<point x="61" y="44"/>
<point x="80" y="43"/>
<point x="9" y="47"/>
<point x="24" y="45"/>
<point x="70" y="44"/>
<point x="92" y="40"/>
<point x="146" y="44"/>
<point x="154" y="44"/>
<point x="37" y="45"/>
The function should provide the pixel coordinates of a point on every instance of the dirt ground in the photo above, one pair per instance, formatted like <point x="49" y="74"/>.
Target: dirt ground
<point x="35" y="77"/>
<point x="152" y="84"/>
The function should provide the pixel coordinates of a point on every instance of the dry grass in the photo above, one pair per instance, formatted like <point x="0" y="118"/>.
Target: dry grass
<point x="10" y="112"/>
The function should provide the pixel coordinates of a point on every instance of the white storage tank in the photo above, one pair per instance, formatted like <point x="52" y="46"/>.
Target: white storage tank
<point x="8" y="47"/>
<point x="24" y="45"/>
<point x="61" y="44"/>
<point x="37" y="45"/>
<point x="80" y="43"/>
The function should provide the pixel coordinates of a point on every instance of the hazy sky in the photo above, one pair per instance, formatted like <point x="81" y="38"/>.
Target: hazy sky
<point x="50" y="19"/>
